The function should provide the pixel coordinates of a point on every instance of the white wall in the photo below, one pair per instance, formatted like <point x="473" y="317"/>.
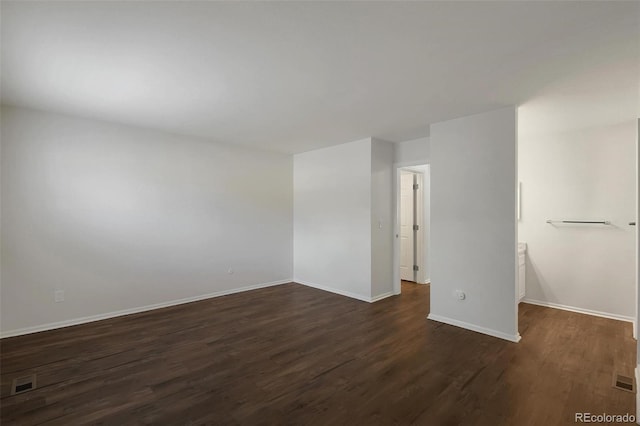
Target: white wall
<point x="583" y="173"/>
<point x="343" y="219"/>
<point x="413" y="152"/>
<point x="473" y="222"/>
<point x="122" y="218"/>
<point x="332" y="218"/>
<point x="382" y="155"/>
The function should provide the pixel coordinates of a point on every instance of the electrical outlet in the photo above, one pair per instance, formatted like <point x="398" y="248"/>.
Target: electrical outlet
<point x="58" y="296"/>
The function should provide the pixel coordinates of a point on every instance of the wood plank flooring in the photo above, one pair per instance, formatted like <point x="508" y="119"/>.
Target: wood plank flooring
<point x="295" y="355"/>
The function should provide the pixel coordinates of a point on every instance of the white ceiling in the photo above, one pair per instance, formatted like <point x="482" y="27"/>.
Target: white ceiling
<point x="297" y="76"/>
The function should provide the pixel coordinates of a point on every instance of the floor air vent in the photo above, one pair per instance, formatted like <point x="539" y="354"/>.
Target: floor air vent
<point x="23" y="384"/>
<point x="624" y="383"/>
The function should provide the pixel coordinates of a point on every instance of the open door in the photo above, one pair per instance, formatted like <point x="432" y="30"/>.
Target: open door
<point x="412" y="227"/>
<point x="407" y="222"/>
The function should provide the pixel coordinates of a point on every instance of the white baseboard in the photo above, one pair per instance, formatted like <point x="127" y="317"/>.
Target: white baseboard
<point x="381" y="296"/>
<point x="495" y="333"/>
<point x="580" y="310"/>
<point x="333" y="290"/>
<point x="92" y="318"/>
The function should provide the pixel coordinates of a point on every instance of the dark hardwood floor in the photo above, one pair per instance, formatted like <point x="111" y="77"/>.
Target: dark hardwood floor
<point x="299" y="356"/>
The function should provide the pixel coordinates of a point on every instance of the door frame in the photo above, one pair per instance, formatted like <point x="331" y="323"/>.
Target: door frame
<point x="418" y="218"/>
<point x="423" y="221"/>
<point x="636" y="319"/>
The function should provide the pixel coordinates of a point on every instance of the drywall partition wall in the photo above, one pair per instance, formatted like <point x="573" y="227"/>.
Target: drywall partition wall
<point x="121" y="219"/>
<point x="412" y="152"/>
<point x="332" y="219"/>
<point x="473" y="223"/>
<point x="584" y="172"/>
<point x="381" y="219"/>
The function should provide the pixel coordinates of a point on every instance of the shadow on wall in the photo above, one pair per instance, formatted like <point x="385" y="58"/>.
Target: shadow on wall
<point x="535" y="281"/>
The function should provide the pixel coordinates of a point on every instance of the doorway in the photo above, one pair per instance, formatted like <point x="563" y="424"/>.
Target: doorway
<point x="412" y="223"/>
<point x="576" y="220"/>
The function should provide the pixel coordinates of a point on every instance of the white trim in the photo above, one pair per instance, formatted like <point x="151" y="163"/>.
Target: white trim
<point x="381" y="296"/>
<point x="637" y="394"/>
<point x="92" y="318"/>
<point x="420" y="241"/>
<point x="333" y="290"/>
<point x="579" y="310"/>
<point x="412" y="163"/>
<point x="495" y="333"/>
<point x="637" y="235"/>
<point x="397" y="280"/>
